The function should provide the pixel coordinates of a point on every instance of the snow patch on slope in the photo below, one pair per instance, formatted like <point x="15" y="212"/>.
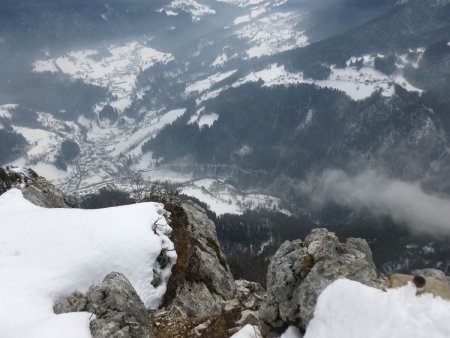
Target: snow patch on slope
<point x="5" y="110"/>
<point x="358" y="84"/>
<point x="273" y="33"/>
<point x="42" y="142"/>
<point x="205" y="84"/>
<point x="248" y="17"/>
<point x="207" y="120"/>
<point x="48" y="253"/>
<point x="194" y="8"/>
<point x="242" y="3"/>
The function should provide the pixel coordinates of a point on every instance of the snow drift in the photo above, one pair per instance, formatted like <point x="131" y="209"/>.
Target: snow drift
<point x="353" y="310"/>
<point x="48" y="253"/>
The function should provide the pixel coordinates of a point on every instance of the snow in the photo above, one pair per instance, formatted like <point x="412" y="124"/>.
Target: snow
<point x="203" y="120"/>
<point x="251" y="331"/>
<point x="223" y="198"/>
<point x="242" y="3"/>
<point x="248" y="17"/>
<point x="357" y="84"/>
<point x="241" y="19"/>
<point x="273" y="33"/>
<point x="142" y="134"/>
<point x="49" y="253"/>
<point x="205" y="84"/>
<point x="5" y="110"/>
<point x="116" y="69"/>
<point x="352" y="310"/>
<point x="41" y="141"/>
<point x="221" y="60"/>
<point x="207" y="120"/>
<point x="248" y="331"/>
<point x="42" y="66"/>
<point x="292" y="332"/>
<point x="49" y="170"/>
<point x="194" y="118"/>
<point x="194" y="8"/>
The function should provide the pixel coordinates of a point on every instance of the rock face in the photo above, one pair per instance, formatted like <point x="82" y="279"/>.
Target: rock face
<point x="201" y="280"/>
<point x="119" y="310"/>
<point x="44" y="194"/>
<point x="201" y="298"/>
<point x="301" y="270"/>
<point x="34" y="188"/>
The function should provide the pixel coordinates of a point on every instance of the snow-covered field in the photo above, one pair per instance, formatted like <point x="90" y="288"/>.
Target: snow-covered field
<point x="49" y="253"/>
<point x="358" y="84"/>
<point x="115" y="67"/>
<point x="272" y="33"/>
<point x="223" y="198"/>
<point x="194" y="8"/>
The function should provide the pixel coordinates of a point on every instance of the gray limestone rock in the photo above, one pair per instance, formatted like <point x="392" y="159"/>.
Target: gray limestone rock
<point x="208" y="259"/>
<point x="76" y="302"/>
<point x="117" y="305"/>
<point x="44" y="194"/>
<point x="196" y="300"/>
<point x="301" y="270"/>
<point x="201" y="281"/>
<point x="119" y="311"/>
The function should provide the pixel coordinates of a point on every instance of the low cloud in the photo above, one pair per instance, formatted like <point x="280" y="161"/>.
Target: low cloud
<point x="369" y="190"/>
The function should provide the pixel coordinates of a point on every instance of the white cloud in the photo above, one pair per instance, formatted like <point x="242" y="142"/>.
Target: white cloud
<point x="369" y="190"/>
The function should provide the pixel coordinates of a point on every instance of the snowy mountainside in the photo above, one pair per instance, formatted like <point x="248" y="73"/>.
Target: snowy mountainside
<point x="135" y="105"/>
<point x="120" y="99"/>
<point x="355" y="79"/>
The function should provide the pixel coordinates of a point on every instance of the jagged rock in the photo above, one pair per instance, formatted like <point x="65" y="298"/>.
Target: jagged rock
<point x="120" y="313"/>
<point x="249" y="297"/>
<point x="13" y="177"/>
<point x="208" y="260"/>
<point x="117" y="305"/>
<point x="44" y="194"/>
<point x="196" y="300"/>
<point x="35" y="188"/>
<point x="301" y="270"/>
<point x="76" y="302"/>
<point x="250" y="294"/>
<point x="201" y="287"/>
<point x="248" y="317"/>
<point x="201" y="280"/>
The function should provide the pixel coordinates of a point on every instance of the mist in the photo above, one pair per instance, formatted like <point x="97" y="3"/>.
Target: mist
<point x="370" y="190"/>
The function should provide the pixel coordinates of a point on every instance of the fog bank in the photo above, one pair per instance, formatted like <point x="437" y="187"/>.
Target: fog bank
<point x="371" y="191"/>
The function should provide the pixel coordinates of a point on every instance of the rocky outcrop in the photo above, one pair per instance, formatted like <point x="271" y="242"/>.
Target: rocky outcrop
<point x="301" y="270"/>
<point x="34" y="188"/>
<point x="249" y="297"/>
<point x="243" y="309"/>
<point x="118" y="309"/>
<point x="201" y="280"/>
<point x="12" y="177"/>
<point x="202" y="298"/>
<point x="426" y="281"/>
